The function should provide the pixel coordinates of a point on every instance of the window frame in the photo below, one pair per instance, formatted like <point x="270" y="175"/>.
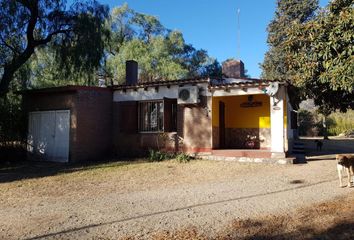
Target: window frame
<point x="140" y="116"/>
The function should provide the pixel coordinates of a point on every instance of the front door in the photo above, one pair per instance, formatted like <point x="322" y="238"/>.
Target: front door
<point x="222" y="124"/>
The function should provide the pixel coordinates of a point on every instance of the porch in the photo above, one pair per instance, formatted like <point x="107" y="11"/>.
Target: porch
<point x="247" y="123"/>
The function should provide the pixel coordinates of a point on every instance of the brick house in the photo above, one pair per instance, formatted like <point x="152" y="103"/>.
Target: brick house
<point x="233" y="116"/>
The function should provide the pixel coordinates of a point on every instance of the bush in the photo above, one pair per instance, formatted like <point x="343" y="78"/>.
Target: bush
<point x="311" y="123"/>
<point x="158" y="156"/>
<point x="183" y="158"/>
<point x="342" y="122"/>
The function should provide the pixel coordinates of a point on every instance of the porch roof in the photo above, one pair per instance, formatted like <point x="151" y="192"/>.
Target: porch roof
<point x="213" y="83"/>
<point x="240" y="83"/>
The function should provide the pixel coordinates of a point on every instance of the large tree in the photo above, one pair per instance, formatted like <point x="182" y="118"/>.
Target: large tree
<point x="287" y="11"/>
<point x="320" y="56"/>
<point x="74" y="32"/>
<point x="162" y="54"/>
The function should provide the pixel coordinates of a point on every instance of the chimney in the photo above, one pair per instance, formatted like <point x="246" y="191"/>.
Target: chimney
<point x="131" y="72"/>
<point x="233" y="69"/>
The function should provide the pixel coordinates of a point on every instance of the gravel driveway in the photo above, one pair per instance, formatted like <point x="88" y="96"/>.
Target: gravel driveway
<point x="141" y="199"/>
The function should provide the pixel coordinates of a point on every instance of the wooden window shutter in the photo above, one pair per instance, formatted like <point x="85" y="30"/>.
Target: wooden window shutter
<point x="293" y="120"/>
<point x="128" y="115"/>
<point x="170" y="115"/>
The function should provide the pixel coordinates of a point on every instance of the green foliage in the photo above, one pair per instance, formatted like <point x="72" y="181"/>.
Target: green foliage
<point x="162" y="54"/>
<point x="75" y="33"/>
<point x="311" y="123"/>
<point x="320" y="56"/>
<point x="158" y="156"/>
<point x="183" y="157"/>
<point x="342" y="123"/>
<point x="287" y="12"/>
<point x="45" y="71"/>
<point x="11" y="121"/>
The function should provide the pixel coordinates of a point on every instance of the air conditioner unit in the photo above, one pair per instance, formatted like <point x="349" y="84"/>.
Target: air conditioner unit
<point x="188" y="95"/>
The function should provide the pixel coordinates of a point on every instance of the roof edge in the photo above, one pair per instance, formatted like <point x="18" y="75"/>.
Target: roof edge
<point x="68" y="88"/>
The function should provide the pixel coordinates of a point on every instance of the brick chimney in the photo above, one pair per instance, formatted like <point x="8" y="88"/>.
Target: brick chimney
<point x="131" y="72"/>
<point x="233" y="69"/>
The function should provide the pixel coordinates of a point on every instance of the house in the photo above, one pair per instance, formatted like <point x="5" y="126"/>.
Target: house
<point x="231" y="117"/>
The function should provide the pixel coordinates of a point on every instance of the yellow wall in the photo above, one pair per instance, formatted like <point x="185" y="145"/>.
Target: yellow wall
<point x="239" y="117"/>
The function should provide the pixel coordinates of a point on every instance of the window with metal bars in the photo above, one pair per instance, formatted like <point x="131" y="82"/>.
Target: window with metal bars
<point x="151" y="116"/>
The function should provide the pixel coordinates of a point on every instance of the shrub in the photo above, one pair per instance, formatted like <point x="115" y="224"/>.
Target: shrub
<point x="158" y="156"/>
<point x="343" y="122"/>
<point x="183" y="158"/>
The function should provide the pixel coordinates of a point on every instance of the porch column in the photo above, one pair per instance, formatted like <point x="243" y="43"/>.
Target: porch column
<point x="277" y="123"/>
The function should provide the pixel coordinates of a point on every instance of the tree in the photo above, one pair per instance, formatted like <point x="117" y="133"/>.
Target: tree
<point x="162" y="54"/>
<point x="75" y="33"/>
<point x="320" y="56"/>
<point x="288" y="11"/>
<point x="46" y="71"/>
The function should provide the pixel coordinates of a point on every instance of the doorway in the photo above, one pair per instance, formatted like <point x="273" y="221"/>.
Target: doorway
<point x="222" y="124"/>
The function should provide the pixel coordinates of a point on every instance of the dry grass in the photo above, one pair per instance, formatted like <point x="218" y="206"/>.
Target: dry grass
<point x="51" y="180"/>
<point x="330" y="220"/>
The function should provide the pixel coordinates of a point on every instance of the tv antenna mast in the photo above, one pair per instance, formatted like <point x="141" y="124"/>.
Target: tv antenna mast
<point x="238" y="54"/>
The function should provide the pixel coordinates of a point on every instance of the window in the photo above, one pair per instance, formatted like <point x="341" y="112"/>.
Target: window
<point x="158" y="116"/>
<point x="151" y="116"/>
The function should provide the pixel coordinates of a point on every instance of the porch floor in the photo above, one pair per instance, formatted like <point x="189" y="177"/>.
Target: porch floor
<point x="252" y="153"/>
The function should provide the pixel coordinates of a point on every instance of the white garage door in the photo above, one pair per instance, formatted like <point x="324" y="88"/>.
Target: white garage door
<point x="48" y="135"/>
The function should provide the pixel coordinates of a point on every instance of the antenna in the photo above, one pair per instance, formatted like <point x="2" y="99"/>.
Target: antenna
<point x="238" y="53"/>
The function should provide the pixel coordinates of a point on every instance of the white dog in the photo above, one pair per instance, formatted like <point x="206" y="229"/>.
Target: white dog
<point x="345" y="162"/>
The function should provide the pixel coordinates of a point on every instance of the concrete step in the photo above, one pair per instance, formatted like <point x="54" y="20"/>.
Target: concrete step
<point x="299" y="151"/>
<point x="298" y="148"/>
<point x="289" y="160"/>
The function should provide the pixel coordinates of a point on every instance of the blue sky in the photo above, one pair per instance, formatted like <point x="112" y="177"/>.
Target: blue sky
<point x="212" y="25"/>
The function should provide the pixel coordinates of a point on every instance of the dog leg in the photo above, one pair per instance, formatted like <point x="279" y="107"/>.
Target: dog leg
<point x="339" y="169"/>
<point x="349" y="177"/>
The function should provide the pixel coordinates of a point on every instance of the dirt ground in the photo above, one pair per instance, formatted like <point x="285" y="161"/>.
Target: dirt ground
<point x="170" y="200"/>
<point x="330" y="220"/>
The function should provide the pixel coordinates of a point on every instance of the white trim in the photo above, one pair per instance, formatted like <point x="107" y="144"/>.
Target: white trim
<point x="150" y="93"/>
<point x="236" y="92"/>
<point x="277" y="122"/>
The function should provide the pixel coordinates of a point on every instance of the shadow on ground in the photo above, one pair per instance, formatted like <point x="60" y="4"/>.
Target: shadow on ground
<point x="260" y="230"/>
<point x="329" y="148"/>
<point x="266" y="223"/>
<point x="19" y="170"/>
<point x="329" y="220"/>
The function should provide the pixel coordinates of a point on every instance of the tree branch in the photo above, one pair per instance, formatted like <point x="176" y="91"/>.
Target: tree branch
<point x="17" y="61"/>
<point x="9" y="46"/>
<point x="50" y="36"/>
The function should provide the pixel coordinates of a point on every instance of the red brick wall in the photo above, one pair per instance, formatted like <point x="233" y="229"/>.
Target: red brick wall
<point x="194" y="126"/>
<point x="94" y="125"/>
<point x="90" y="119"/>
<point x="54" y="101"/>
<point x="193" y="130"/>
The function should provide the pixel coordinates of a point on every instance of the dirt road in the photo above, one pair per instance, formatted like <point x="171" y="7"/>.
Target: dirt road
<point x="117" y="200"/>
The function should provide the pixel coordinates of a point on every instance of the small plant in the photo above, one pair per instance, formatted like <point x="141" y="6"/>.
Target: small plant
<point x="183" y="158"/>
<point x="158" y="156"/>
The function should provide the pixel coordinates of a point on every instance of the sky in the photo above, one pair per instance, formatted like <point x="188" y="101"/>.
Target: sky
<point x="212" y="25"/>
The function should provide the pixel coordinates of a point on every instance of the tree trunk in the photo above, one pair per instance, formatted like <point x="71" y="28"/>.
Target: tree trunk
<point x="4" y="84"/>
<point x="325" y="130"/>
<point x="10" y="69"/>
